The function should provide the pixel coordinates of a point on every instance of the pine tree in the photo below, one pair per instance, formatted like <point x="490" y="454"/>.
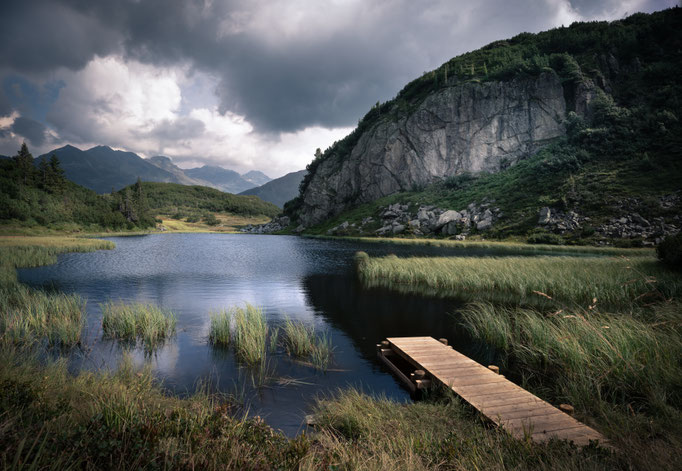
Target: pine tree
<point x="56" y="178"/>
<point x="24" y="162"/>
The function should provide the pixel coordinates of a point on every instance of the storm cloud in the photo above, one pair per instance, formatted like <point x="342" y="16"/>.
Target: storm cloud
<point x="284" y="66"/>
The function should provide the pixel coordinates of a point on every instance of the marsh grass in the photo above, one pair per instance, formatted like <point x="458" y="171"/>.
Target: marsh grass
<point x="131" y="322"/>
<point x="28" y="316"/>
<point x="220" y="328"/>
<point x="614" y="282"/>
<point x="502" y="248"/>
<point x="250" y="334"/>
<point x="357" y="431"/>
<point x="621" y="370"/>
<point x="125" y="421"/>
<point x="302" y="341"/>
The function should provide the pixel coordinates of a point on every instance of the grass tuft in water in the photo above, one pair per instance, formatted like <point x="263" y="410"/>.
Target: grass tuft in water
<point x="301" y="341"/>
<point x="220" y="333"/>
<point x="250" y="334"/>
<point x="28" y="316"/>
<point x="130" y="322"/>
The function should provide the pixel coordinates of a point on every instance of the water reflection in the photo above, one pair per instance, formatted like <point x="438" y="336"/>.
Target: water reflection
<point x="306" y="279"/>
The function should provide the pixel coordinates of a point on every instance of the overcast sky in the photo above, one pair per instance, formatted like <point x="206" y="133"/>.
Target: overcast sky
<point x="248" y="85"/>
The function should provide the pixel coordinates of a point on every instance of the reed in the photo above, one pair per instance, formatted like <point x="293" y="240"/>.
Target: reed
<point x="220" y="327"/>
<point x="502" y="248"/>
<point x="250" y="334"/>
<point x="301" y="341"/>
<point x="299" y="338"/>
<point x="130" y="322"/>
<point x="28" y="316"/>
<point x="614" y="282"/>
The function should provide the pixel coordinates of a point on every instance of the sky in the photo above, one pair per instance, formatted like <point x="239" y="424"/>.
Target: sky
<point x="247" y="85"/>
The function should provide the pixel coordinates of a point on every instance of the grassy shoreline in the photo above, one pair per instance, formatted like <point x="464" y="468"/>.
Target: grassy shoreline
<point x="503" y="247"/>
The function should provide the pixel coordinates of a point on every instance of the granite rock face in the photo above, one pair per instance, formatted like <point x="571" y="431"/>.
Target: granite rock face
<point x="471" y="127"/>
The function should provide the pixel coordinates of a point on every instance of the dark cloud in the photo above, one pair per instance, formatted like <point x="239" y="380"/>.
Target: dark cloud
<point x="30" y="129"/>
<point x="283" y="65"/>
<point x="181" y="128"/>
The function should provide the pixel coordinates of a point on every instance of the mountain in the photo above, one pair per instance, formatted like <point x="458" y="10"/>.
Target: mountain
<point x="165" y="163"/>
<point x="221" y="178"/>
<point x="256" y="177"/>
<point x="280" y="190"/>
<point x="102" y="168"/>
<point x="580" y="120"/>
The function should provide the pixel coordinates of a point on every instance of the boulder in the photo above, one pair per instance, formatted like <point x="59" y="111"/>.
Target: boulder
<point x="446" y="217"/>
<point x="544" y="216"/>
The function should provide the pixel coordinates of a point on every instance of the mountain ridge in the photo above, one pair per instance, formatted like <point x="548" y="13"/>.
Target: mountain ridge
<point x="103" y="169"/>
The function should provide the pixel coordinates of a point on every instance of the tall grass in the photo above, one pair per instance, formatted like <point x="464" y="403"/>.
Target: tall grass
<point x="357" y="431"/>
<point x="613" y="282"/>
<point x="130" y="322"/>
<point x="508" y="248"/>
<point x="220" y="327"/>
<point x="27" y="252"/>
<point x="28" y="316"/>
<point x="125" y="421"/>
<point x="301" y="341"/>
<point x="250" y="334"/>
<point x="620" y="369"/>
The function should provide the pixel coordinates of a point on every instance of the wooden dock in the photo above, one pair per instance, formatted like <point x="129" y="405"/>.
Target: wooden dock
<point x="509" y="406"/>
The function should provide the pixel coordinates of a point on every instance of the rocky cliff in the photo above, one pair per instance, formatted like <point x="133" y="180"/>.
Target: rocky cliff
<point x="471" y="127"/>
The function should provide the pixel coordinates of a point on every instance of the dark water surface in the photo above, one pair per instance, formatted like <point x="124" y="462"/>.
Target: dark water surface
<point x="306" y="279"/>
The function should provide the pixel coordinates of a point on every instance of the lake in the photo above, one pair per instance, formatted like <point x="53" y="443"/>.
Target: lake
<point x="311" y="280"/>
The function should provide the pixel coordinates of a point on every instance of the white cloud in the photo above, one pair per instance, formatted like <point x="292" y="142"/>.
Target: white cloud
<point x="145" y="109"/>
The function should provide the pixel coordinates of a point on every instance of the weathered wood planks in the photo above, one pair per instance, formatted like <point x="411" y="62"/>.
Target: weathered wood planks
<point x="511" y="407"/>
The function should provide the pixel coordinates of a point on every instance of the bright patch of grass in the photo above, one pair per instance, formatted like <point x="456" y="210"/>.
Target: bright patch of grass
<point x="301" y="341"/>
<point x="28" y="316"/>
<point x="130" y="322"/>
<point x="250" y="334"/>
<point x="612" y="281"/>
<point x="220" y="327"/>
<point x="502" y="248"/>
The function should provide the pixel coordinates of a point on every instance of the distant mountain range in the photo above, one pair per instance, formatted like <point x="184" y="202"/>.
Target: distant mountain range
<point x="102" y="169"/>
<point x="280" y="190"/>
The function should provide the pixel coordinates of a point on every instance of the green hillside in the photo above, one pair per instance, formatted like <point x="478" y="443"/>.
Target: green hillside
<point x="42" y="197"/>
<point x="169" y="198"/>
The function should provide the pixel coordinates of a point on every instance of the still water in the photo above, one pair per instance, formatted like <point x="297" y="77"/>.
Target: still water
<point x="305" y="279"/>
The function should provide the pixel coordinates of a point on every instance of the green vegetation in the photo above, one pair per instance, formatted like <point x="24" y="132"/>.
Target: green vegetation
<point x="612" y="282"/>
<point x="361" y="432"/>
<point x="28" y="316"/>
<point x="130" y="322"/>
<point x="42" y="197"/>
<point x="250" y="334"/>
<point x="53" y="420"/>
<point x="499" y="248"/>
<point x="197" y="202"/>
<point x="670" y="251"/>
<point x="220" y="328"/>
<point x="602" y="334"/>
<point x="628" y="148"/>
<point x="301" y="341"/>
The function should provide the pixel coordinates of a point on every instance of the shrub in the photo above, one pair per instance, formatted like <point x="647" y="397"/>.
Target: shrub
<point x="669" y="251"/>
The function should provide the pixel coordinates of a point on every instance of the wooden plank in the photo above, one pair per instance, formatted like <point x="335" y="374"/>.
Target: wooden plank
<point x="511" y="407"/>
<point x="397" y="372"/>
